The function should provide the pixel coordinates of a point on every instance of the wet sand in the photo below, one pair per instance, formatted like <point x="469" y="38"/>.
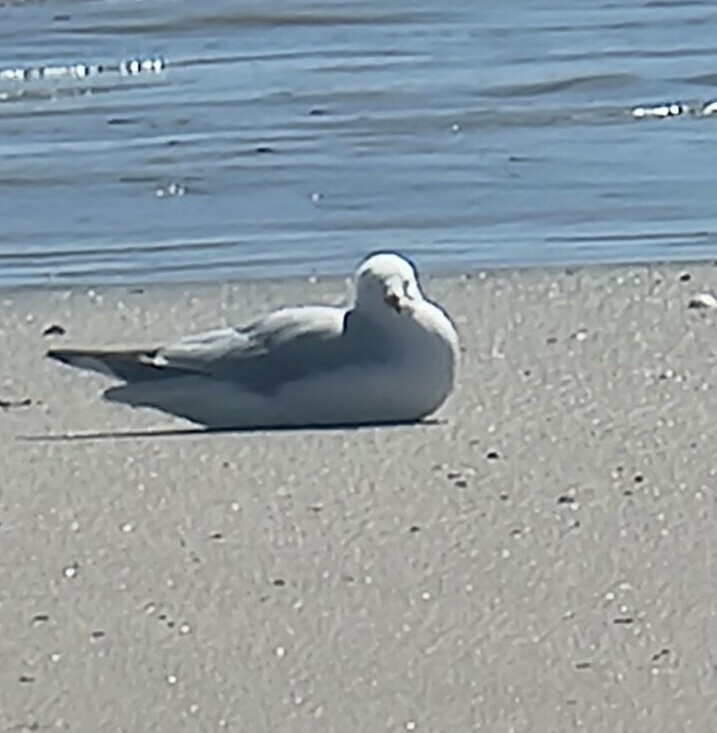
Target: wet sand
<point x="541" y="559"/>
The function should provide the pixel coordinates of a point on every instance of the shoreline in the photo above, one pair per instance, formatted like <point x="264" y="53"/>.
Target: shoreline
<point x="541" y="555"/>
<point x="441" y="273"/>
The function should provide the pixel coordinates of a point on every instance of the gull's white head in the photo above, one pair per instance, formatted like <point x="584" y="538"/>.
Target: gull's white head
<point x="384" y="279"/>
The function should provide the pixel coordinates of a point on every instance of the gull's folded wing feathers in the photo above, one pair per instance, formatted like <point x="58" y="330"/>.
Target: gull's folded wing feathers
<point x="284" y="346"/>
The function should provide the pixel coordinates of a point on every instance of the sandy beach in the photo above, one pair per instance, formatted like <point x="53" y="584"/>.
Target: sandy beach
<point x="542" y="558"/>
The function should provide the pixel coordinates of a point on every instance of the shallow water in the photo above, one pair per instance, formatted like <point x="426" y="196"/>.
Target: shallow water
<point x="283" y="137"/>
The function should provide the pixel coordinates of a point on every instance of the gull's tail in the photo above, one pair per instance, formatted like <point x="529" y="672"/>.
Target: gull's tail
<point x="133" y="365"/>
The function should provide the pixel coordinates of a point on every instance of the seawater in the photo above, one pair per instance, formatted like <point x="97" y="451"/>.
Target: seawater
<point x="160" y="140"/>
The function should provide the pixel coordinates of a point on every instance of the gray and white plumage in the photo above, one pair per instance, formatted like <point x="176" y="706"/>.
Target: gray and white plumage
<point x="389" y="357"/>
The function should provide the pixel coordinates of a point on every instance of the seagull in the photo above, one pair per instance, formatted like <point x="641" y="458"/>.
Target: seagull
<point x="389" y="357"/>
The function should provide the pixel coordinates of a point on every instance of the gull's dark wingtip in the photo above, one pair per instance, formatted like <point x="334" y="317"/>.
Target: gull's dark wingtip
<point x="64" y="356"/>
<point x="130" y="365"/>
<point x="96" y="361"/>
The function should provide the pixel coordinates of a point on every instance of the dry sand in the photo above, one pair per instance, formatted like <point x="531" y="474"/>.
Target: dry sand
<point x="540" y="560"/>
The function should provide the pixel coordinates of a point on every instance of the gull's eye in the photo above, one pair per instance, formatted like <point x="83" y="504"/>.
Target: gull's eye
<point x="406" y="288"/>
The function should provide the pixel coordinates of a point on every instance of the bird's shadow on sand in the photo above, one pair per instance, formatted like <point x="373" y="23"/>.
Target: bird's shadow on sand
<point x="151" y="433"/>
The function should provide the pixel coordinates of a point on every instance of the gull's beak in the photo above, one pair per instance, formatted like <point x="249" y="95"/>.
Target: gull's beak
<point x="394" y="301"/>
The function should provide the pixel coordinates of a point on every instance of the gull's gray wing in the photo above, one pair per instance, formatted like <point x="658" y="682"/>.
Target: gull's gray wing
<point x="285" y="346"/>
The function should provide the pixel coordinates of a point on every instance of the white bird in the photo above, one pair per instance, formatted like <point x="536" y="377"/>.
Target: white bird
<point x="390" y="357"/>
